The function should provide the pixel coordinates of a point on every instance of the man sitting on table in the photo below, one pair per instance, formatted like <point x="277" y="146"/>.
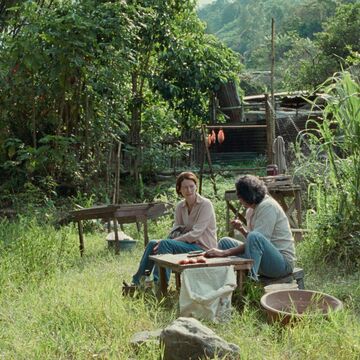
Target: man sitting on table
<point x="269" y="240"/>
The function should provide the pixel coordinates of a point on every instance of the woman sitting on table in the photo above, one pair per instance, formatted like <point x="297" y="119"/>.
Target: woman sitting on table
<point x="194" y="227"/>
<point x="269" y="240"/>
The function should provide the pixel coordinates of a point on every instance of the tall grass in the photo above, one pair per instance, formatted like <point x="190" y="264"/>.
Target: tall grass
<point x="30" y="252"/>
<point x="334" y="175"/>
<point x="56" y="305"/>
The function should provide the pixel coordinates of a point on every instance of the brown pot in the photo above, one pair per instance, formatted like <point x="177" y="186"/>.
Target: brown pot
<point x="287" y="305"/>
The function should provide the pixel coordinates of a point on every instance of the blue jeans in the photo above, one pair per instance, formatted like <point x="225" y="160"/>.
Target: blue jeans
<point x="167" y="246"/>
<point x="268" y="260"/>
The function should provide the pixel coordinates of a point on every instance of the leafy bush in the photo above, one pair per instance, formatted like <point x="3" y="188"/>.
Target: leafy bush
<point x="334" y="188"/>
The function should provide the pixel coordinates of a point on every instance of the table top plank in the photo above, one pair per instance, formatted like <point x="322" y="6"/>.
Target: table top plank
<point x="171" y="261"/>
<point x="129" y="211"/>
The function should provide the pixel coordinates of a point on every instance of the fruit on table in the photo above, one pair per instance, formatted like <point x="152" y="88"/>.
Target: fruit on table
<point x="200" y="259"/>
<point x="183" y="262"/>
<point x="196" y="260"/>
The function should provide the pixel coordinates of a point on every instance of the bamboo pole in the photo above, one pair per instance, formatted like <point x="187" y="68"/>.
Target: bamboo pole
<point x="224" y="126"/>
<point x="273" y="113"/>
<point x="208" y="156"/>
<point x="202" y="161"/>
<point x="269" y="138"/>
<point x="116" y="195"/>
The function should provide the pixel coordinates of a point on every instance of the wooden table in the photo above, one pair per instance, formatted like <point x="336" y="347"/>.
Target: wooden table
<point x="289" y="197"/>
<point x="170" y="261"/>
<point x="119" y="214"/>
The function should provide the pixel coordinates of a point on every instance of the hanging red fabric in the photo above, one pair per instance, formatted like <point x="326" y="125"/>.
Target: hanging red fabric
<point x="221" y="136"/>
<point x="213" y="137"/>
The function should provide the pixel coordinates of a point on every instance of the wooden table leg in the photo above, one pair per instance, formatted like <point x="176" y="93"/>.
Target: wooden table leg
<point x="240" y="281"/>
<point x="163" y="284"/>
<point x="177" y="281"/>
<point x="117" y="244"/>
<point x="81" y="237"/>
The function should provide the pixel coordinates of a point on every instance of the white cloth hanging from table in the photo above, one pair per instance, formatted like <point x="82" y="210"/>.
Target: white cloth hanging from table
<point x="278" y="149"/>
<point x="206" y="292"/>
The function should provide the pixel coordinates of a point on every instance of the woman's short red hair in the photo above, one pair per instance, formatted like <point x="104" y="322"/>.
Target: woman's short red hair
<point x="186" y="175"/>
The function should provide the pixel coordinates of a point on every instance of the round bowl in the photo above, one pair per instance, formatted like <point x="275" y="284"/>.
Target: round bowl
<point x="286" y="305"/>
<point x="125" y="244"/>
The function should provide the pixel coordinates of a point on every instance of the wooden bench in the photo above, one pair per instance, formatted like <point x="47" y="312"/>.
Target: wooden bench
<point x="119" y="214"/>
<point x="297" y="275"/>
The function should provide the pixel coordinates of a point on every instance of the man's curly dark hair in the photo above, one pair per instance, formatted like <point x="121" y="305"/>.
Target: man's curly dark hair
<point x="250" y="189"/>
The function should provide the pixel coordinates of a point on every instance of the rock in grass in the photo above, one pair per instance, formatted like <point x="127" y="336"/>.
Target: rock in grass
<point x="187" y="338"/>
<point x="145" y="337"/>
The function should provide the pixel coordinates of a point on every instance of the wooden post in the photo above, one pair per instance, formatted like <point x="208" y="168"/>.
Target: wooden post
<point x="212" y="108"/>
<point x="298" y="207"/>
<point x="202" y="160"/>
<point x="273" y="110"/>
<point x="108" y="174"/>
<point x="228" y="219"/>
<point x="146" y="235"/>
<point x="117" y="176"/>
<point x="269" y="133"/>
<point x="81" y="237"/>
<point x="208" y="158"/>
<point x="117" y="244"/>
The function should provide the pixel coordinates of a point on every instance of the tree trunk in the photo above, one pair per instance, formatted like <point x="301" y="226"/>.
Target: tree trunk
<point x="33" y="117"/>
<point x="135" y="129"/>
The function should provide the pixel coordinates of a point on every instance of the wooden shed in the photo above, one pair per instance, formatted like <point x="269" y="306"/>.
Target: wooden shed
<point x="246" y="131"/>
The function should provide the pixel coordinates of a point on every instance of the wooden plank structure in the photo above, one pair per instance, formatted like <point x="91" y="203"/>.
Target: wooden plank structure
<point x="231" y="107"/>
<point x="170" y="261"/>
<point x="252" y="125"/>
<point x="119" y="214"/>
<point x="204" y="129"/>
<point x="282" y="189"/>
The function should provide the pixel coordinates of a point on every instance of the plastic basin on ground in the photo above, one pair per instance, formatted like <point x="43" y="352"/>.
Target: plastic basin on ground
<point x="287" y="305"/>
<point x="125" y="244"/>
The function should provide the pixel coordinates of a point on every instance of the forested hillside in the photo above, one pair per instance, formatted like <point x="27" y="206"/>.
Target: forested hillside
<point x="313" y="39"/>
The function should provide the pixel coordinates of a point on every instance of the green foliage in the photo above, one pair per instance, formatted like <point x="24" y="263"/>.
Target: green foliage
<point x="307" y="17"/>
<point x="334" y="190"/>
<point x="328" y="52"/>
<point x="77" y="78"/>
<point x="60" y="89"/>
<point x="193" y="66"/>
<point x="304" y="65"/>
<point x="312" y="38"/>
<point x="249" y="26"/>
<point x="341" y="32"/>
